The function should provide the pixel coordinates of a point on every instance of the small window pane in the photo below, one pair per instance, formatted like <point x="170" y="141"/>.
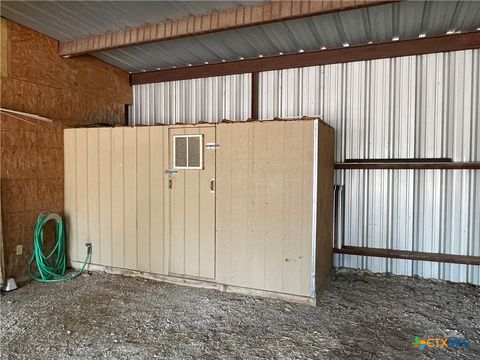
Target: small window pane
<point x="194" y="152"/>
<point x="188" y="152"/>
<point x="180" y="152"/>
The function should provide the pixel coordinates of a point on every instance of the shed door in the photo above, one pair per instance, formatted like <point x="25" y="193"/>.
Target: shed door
<point x="192" y="201"/>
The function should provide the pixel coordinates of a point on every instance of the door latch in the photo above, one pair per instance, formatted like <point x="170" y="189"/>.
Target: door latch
<point x="212" y="185"/>
<point x="211" y="146"/>
<point x="171" y="173"/>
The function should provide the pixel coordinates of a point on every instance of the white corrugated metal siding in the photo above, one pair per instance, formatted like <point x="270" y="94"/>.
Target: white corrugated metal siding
<point x="424" y="210"/>
<point x="407" y="107"/>
<point x="415" y="106"/>
<point x="189" y="101"/>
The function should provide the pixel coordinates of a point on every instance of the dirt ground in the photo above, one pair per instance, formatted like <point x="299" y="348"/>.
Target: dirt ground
<point x="361" y="315"/>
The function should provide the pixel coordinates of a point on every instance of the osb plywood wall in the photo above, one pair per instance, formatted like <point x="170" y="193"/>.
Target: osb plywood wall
<point x="76" y="91"/>
<point x="72" y="92"/>
<point x="32" y="182"/>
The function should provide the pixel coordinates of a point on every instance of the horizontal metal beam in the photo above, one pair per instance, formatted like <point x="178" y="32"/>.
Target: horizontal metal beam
<point x="410" y="165"/>
<point x="243" y="16"/>
<point x="390" y="49"/>
<point x="409" y="255"/>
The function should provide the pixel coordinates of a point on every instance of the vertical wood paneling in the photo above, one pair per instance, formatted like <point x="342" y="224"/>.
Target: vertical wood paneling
<point x="236" y="223"/>
<point x="295" y="276"/>
<point x="70" y="193"/>
<point x="264" y="205"/>
<point x="234" y="204"/>
<point x="191" y="217"/>
<point x="166" y="206"/>
<point x="130" y="196"/>
<point x="207" y="208"/>
<point x="224" y="186"/>
<point x="177" y="216"/>
<point x="256" y="207"/>
<point x="117" y="175"/>
<point x="143" y="198"/>
<point x="117" y="198"/>
<point x="305" y="183"/>
<point x="275" y="169"/>
<point x="105" y="195"/>
<point x="157" y="199"/>
<point x="81" y="191"/>
<point x="93" y="199"/>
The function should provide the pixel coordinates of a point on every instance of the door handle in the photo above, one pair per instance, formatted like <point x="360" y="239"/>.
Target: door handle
<point x="212" y="185"/>
<point x="170" y="183"/>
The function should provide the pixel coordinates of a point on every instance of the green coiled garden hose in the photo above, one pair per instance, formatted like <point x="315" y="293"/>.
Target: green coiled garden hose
<point x="52" y="267"/>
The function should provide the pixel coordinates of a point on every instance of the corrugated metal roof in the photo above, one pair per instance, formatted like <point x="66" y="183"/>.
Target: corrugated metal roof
<point x="67" y="20"/>
<point x="404" y="20"/>
<point x="382" y="23"/>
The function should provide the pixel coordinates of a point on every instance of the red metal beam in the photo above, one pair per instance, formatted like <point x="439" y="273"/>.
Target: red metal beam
<point x="234" y="18"/>
<point x="389" y="49"/>
<point x="409" y="255"/>
<point x="410" y="165"/>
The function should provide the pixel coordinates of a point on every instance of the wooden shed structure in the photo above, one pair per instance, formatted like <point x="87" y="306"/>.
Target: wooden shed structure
<point x="238" y="206"/>
<point x="248" y="148"/>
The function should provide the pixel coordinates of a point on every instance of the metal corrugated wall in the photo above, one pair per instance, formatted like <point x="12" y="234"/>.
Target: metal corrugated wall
<point x="189" y="101"/>
<point x="416" y="106"/>
<point x="412" y="107"/>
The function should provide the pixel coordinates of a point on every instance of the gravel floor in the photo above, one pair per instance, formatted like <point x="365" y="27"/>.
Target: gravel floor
<point x="361" y="315"/>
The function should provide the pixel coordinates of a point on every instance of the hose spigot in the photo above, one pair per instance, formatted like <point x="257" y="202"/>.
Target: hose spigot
<point x="89" y="248"/>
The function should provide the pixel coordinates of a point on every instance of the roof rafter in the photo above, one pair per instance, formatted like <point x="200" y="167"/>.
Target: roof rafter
<point x="250" y="15"/>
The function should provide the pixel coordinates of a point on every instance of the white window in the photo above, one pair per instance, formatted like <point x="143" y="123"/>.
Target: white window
<point x="188" y="152"/>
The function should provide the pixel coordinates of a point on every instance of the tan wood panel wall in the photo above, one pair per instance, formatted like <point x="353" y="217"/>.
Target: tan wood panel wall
<point x="114" y="196"/>
<point x="264" y="205"/>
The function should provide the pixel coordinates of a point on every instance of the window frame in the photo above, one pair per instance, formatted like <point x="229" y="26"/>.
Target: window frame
<point x="200" y="167"/>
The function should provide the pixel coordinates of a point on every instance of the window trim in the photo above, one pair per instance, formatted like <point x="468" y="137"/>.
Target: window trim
<point x="200" y="167"/>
